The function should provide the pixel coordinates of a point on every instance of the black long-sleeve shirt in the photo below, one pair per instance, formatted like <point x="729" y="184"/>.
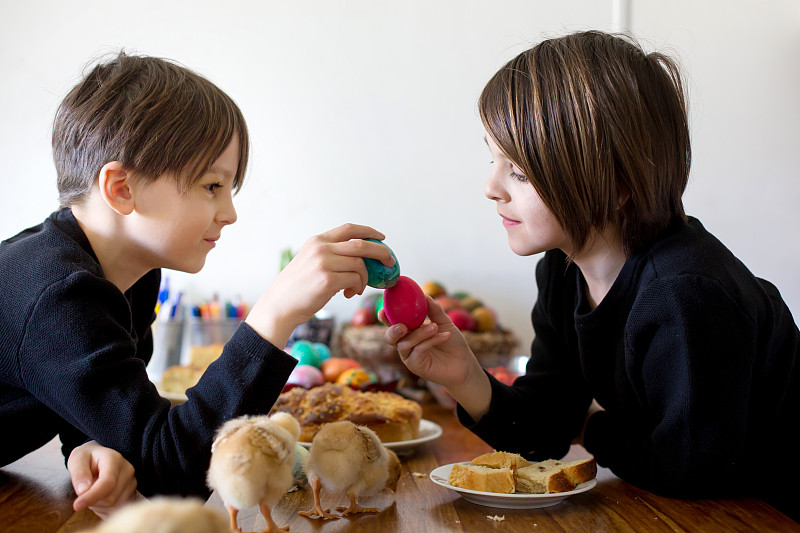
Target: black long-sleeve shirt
<point x="73" y="350"/>
<point x="693" y="358"/>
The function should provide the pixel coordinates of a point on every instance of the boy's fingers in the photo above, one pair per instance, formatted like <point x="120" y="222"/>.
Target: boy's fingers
<point x="345" y="232"/>
<point x="427" y="345"/>
<point x="100" y="490"/>
<point x="359" y="248"/>
<point x="106" y="487"/>
<point x="394" y="333"/>
<point x="415" y="338"/>
<point x="79" y="465"/>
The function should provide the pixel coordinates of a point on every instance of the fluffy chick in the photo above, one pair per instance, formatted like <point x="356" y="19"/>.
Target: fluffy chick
<point x="349" y="459"/>
<point x="165" y="515"/>
<point x="251" y="463"/>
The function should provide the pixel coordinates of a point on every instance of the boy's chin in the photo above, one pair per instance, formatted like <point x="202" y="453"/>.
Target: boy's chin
<point x="522" y="249"/>
<point x="189" y="269"/>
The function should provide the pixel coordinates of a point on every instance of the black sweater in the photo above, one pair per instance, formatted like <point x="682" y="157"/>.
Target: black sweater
<point x="73" y="351"/>
<point x="693" y="358"/>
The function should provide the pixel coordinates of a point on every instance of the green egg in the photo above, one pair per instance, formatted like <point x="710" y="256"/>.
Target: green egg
<point x="381" y="276"/>
<point x="298" y="467"/>
<point x="306" y="354"/>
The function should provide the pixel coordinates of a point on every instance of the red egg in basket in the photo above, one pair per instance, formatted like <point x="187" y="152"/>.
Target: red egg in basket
<point x="405" y="303"/>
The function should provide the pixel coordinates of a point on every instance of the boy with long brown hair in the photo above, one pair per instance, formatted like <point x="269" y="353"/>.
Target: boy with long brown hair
<point x="655" y="347"/>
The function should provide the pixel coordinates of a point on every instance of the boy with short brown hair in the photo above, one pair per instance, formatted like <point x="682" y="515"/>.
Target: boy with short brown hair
<point x="149" y="155"/>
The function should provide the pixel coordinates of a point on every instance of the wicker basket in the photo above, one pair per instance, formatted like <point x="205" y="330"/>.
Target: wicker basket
<point x="366" y="345"/>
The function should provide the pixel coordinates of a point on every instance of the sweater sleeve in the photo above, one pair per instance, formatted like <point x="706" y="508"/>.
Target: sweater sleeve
<point x="79" y="359"/>
<point x="540" y="414"/>
<point x="691" y="370"/>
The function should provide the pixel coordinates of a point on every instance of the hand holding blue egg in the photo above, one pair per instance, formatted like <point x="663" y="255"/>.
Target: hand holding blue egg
<point x="381" y="276"/>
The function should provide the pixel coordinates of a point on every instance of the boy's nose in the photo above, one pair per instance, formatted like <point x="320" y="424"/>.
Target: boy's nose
<point x="492" y="190"/>
<point x="227" y="215"/>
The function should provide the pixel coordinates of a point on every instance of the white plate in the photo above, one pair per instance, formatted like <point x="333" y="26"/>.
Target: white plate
<point x="441" y="475"/>
<point x="428" y="431"/>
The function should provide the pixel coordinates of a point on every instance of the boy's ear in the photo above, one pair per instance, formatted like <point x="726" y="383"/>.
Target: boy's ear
<point x="116" y="188"/>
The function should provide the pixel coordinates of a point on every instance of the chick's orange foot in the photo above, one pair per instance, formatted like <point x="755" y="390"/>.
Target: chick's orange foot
<point x="272" y="527"/>
<point x="355" y="508"/>
<point x="318" y="512"/>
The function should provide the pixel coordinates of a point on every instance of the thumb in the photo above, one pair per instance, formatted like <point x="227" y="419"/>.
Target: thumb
<point x="80" y="470"/>
<point x="436" y="313"/>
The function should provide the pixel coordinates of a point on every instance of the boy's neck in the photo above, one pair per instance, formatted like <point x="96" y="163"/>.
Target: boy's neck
<point x="104" y="228"/>
<point x="601" y="262"/>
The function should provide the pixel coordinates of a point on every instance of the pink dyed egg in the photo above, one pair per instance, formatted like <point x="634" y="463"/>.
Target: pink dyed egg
<point x="405" y="303"/>
<point x="306" y="376"/>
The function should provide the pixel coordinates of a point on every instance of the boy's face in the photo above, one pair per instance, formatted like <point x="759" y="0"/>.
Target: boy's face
<point x="531" y="227"/>
<point x="175" y="230"/>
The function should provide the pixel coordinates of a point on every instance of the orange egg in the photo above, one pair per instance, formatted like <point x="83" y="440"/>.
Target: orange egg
<point x="355" y="377"/>
<point x="484" y="318"/>
<point x="433" y="289"/>
<point x="333" y="367"/>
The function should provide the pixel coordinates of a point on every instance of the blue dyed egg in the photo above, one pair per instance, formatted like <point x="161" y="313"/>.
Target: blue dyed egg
<point x="381" y="276"/>
<point x="306" y="353"/>
<point x="323" y="351"/>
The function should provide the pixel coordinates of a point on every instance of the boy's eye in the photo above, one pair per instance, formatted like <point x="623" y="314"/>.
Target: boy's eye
<point x="518" y="177"/>
<point x="212" y="187"/>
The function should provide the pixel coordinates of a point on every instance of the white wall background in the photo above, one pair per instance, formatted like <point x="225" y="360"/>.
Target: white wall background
<point x="365" y="111"/>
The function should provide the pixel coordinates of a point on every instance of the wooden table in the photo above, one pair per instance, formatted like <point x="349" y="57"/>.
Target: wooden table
<point x="36" y="496"/>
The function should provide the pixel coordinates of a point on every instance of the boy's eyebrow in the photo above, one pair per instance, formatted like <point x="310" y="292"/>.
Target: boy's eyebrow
<point x="218" y="170"/>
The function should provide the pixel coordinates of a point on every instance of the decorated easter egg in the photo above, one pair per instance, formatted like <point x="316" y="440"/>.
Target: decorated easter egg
<point x="381" y="276"/>
<point x="333" y="367"/>
<point x="470" y="303"/>
<point x="306" y="353"/>
<point x="355" y="377"/>
<point x="299" y="348"/>
<point x="433" y="289"/>
<point x="484" y="319"/>
<point x="462" y="319"/>
<point x="405" y="303"/>
<point x="323" y="350"/>
<point x="448" y="303"/>
<point x="306" y="376"/>
<point x="298" y="466"/>
<point x="363" y="317"/>
<point x="370" y="300"/>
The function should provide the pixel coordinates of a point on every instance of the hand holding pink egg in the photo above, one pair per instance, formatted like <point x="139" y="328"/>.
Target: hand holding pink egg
<point x="405" y="303"/>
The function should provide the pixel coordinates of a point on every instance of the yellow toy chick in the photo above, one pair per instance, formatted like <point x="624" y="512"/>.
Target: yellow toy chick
<point x="349" y="459"/>
<point x="251" y="463"/>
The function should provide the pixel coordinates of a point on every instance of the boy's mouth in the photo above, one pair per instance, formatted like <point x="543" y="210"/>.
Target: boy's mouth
<point x="509" y="221"/>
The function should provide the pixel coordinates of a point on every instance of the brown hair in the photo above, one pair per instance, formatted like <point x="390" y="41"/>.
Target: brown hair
<point x="591" y="120"/>
<point x="151" y="115"/>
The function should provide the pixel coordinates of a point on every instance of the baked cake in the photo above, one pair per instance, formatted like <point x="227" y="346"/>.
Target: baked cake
<point x="503" y="472"/>
<point x="392" y="417"/>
